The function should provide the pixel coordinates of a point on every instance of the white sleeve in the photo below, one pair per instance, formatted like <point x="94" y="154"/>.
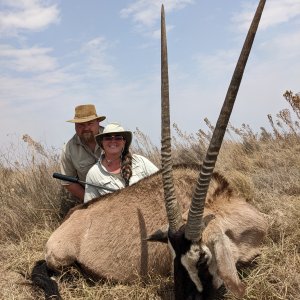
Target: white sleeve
<point x="150" y="167"/>
<point x="91" y="192"/>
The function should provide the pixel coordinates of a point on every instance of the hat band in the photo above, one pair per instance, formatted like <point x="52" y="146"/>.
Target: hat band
<point x="86" y="117"/>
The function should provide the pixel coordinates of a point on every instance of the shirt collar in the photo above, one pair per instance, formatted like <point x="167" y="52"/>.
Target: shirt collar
<point x="79" y="142"/>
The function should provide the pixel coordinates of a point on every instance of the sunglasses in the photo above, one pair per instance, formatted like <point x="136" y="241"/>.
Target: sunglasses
<point x="113" y="138"/>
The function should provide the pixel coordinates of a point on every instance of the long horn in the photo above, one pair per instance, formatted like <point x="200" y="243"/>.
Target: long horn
<point x="172" y="206"/>
<point x="194" y="228"/>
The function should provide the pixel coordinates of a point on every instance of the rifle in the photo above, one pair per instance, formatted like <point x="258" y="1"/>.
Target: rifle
<point x="76" y="180"/>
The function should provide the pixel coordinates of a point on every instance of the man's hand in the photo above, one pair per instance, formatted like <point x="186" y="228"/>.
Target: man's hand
<point x="76" y="190"/>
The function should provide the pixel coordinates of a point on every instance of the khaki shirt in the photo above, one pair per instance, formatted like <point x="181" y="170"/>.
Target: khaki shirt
<point x="141" y="167"/>
<point x="77" y="158"/>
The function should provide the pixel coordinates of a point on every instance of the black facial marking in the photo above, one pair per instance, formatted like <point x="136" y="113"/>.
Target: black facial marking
<point x="185" y="288"/>
<point x="209" y="292"/>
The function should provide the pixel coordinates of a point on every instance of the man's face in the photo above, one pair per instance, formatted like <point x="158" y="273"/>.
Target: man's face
<point x="87" y="130"/>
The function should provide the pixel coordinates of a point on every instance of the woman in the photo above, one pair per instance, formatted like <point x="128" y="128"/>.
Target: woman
<point x="117" y="167"/>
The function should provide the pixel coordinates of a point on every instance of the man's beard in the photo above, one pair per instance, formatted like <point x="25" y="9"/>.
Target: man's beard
<point x="87" y="137"/>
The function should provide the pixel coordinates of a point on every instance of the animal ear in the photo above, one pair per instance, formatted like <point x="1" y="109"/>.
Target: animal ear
<point x="207" y="218"/>
<point x="226" y="266"/>
<point x="160" y="235"/>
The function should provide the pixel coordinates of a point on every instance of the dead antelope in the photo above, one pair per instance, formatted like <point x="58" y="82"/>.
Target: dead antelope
<point x="107" y="237"/>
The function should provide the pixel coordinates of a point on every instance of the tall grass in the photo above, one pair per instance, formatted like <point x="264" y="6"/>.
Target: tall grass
<point x="262" y="166"/>
<point x="29" y="196"/>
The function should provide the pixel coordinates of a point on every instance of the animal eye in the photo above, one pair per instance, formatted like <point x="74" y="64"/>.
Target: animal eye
<point x="202" y="259"/>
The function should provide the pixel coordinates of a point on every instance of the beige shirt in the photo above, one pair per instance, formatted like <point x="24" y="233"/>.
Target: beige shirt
<point x="98" y="175"/>
<point x="77" y="158"/>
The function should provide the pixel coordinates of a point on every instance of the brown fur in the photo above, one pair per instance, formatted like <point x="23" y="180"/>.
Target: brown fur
<point x="107" y="236"/>
<point x="234" y="235"/>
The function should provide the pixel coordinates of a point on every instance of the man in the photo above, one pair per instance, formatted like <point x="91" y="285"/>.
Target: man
<point x="80" y="153"/>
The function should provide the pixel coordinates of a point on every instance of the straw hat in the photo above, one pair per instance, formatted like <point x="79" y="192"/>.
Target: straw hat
<point x="86" y="113"/>
<point x="116" y="129"/>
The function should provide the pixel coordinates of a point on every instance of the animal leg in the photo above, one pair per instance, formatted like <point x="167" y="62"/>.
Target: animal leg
<point x="40" y="276"/>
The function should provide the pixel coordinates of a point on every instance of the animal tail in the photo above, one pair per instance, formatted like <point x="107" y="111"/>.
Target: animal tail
<point x="41" y="276"/>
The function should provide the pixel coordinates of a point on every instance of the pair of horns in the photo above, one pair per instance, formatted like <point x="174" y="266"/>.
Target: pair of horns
<point x="194" y="227"/>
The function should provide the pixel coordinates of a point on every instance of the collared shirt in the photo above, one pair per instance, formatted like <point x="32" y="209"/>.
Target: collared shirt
<point x="141" y="167"/>
<point x="77" y="158"/>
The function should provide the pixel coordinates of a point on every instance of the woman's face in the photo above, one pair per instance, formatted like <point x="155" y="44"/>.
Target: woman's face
<point x="113" y="144"/>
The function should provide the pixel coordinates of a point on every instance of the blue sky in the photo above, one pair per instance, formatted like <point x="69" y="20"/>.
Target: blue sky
<point x="56" y="54"/>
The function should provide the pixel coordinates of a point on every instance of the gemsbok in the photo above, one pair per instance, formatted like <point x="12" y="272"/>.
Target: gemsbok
<point x="116" y="236"/>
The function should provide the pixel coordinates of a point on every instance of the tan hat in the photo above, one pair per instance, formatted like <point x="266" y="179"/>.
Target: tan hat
<point x="117" y="129"/>
<point x="86" y="113"/>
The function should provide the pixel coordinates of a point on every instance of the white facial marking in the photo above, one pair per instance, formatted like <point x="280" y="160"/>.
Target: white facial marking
<point x="213" y="270"/>
<point x="189" y="261"/>
<point x="212" y="267"/>
<point x="208" y="255"/>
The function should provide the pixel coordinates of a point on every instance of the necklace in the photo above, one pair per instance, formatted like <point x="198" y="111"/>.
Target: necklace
<point x="110" y="161"/>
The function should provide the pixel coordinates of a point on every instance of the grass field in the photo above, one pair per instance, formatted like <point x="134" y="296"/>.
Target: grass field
<point x="264" y="167"/>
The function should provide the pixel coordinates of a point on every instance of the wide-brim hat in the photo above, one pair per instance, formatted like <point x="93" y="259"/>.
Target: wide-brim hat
<point x="86" y="113"/>
<point x="116" y="129"/>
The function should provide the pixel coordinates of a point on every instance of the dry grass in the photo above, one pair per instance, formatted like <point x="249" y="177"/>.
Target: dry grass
<point x="264" y="167"/>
